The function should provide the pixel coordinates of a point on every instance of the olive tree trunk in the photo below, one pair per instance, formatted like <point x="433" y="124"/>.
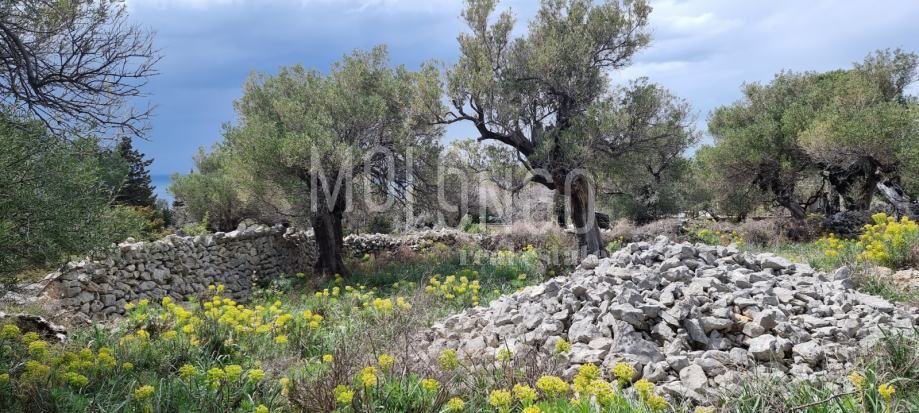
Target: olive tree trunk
<point x="584" y="218"/>
<point x="327" y="231"/>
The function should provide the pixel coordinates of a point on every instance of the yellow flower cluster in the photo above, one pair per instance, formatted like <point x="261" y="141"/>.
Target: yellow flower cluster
<point x="624" y="373"/>
<point x="45" y="362"/>
<point x="144" y="392"/>
<point x="889" y="241"/>
<point x="455" y="404"/>
<point x="385" y="361"/>
<point x="718" y="237"/>
<point x="448" y="360"/>
<point x="430" y="385"/>
<point x="562" y="346"/>
<point x="500" y="399"/>
<point x="525" y="394"/>
<point x="832" y="246"/>
<point x="368" y="376"/>
<point x="461" y="288"/>
<point x="343" y="394"/>
<point x="552" y="386"/>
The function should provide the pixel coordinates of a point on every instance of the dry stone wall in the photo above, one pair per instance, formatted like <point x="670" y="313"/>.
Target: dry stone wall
<point x="178" y="266"/>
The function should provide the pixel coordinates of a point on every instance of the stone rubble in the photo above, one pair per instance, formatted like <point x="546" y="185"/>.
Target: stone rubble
<point x="691" y="318"/>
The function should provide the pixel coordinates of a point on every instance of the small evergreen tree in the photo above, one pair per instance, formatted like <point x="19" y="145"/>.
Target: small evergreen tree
<point x="136" y="189"/>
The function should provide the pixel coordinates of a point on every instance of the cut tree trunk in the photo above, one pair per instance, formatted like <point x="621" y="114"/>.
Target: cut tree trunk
<point x="584" y="218"/>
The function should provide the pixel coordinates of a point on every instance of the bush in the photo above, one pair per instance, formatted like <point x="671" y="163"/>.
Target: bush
<point x="198" y="228"/>
<point x="55" y="198"/>
<point x="379" y="224"/>
<point x="890" y="242"/>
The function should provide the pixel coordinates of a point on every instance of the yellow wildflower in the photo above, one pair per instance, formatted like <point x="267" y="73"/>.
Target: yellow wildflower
<point x="255" y="374"/>
<point x="644" y="388"/>
<point x="552" y="386"/>
<point x="624" y="372"/>
<point x="500" y="399"/>
<point x="233" y="372"/>
<point x="385" y="361"/>
<point x="448" y="360"/>
<point x="327" y="358"/>
<point x="656" y="402"/>
<point x="368" y="376"/>
<point x="430" y="385"/>
<point x="562" y="346"/>
<point x="75" y="379"/>
<point x="187" y="370"/>
<point x="281" y="339"/>
<point x="525" y="394"/>
<point x="144" y="392"/>
<point x="9" y="331"/>
<point x="343" y="394"/>
<point x="886" y="391"/>
<point x="456" y="404"/>
<point x="857" y="380"/>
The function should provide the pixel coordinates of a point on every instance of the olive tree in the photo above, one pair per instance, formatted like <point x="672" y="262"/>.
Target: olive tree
<point x="810" y="137"/>
<point x="307" y="136"/>
<point x="864" y="134"/>
<point x="757" y="141"/>
<point x="546" y="93"/>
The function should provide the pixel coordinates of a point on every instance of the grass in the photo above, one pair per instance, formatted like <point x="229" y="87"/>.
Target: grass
<point x="893" y="362"/>
<point x="348" y="345"/>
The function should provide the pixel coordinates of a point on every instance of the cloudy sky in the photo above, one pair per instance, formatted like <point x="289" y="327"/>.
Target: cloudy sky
<point x="703" y="50"/>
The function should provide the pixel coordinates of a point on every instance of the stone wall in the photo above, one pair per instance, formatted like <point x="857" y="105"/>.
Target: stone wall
<point x="178" y="267"/>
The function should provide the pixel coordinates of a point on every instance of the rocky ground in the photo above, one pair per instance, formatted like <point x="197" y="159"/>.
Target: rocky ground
<point x="693" y="319"/>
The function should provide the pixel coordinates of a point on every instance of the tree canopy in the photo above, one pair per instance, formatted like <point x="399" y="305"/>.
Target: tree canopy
<point x="547" y="94"/>
<point x="808" y="139"/>
<point x="303" y="139"/>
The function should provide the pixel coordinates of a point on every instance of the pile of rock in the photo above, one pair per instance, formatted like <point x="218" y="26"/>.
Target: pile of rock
<point x="691" y="318"/>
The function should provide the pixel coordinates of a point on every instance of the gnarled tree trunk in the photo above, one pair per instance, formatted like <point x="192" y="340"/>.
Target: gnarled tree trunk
<point x="898" y="199"/>
<point x="584" y="218"/>
<point x="327" y="230"/>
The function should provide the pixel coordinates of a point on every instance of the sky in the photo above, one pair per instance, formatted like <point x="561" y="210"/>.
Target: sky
<point x="702" y="50"/>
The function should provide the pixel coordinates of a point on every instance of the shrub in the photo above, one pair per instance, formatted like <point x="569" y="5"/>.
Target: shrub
<point x="890" y="242"/>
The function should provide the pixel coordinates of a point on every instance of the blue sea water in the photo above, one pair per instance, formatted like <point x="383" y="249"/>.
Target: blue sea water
<point x="161" y="182"/>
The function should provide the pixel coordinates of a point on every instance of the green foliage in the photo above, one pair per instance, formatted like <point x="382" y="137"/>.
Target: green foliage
<point x="198" y="228"/>
<point x="304" y="138"/>
<point x="841" y="130"/>
<point x="546" y="94"/>
<point x="136" y="188"/>
<point x="647" y="181"/>
<point x="615" y="245"/>
<point x="210" y="191"/>
<point x="55" y="198"/>
<point x="711" y="190"/>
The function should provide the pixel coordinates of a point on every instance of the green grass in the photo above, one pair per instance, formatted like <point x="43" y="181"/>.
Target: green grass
<point x="377" y="311"/>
